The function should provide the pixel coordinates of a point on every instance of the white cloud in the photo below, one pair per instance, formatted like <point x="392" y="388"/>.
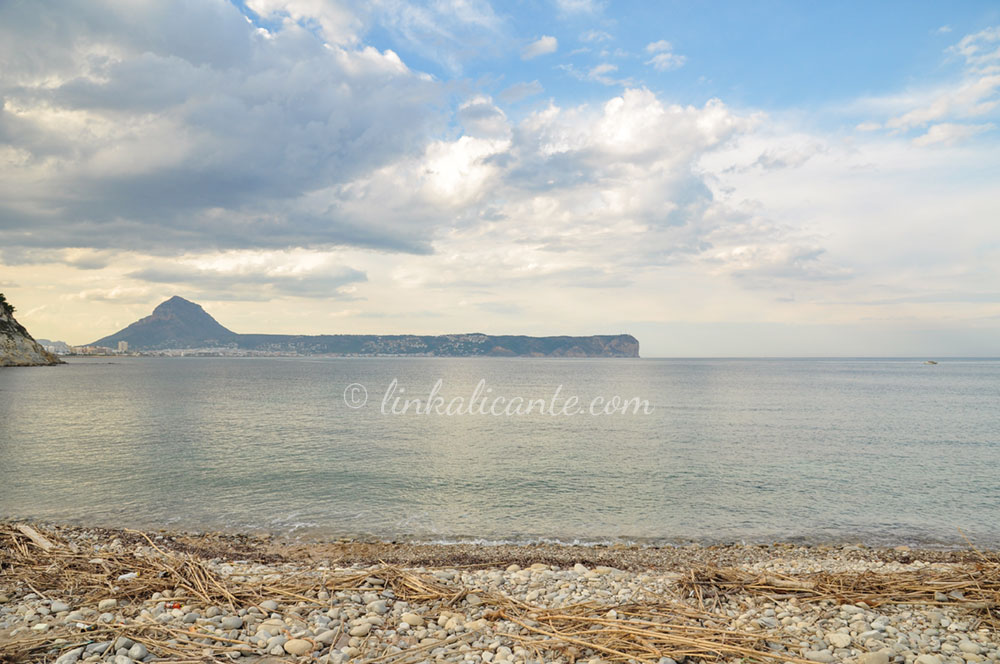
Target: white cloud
<point x="481" y="118"/>
<point x="593" y="36"/>
<point x="970" y="98"/>
<point x="520" y="91"/>
<point x="663" y="59"/>
<point x="981" y="50"/>
<point x="541" y="46"/>
<point x="947" y="133"/>
<point x="449" y="32"/>
<point x="580" y="6"/>
<point x="338" y="23"/>
<point x="666" y="61"/>
<point x="599" y="73"/>
<point x="576" y="196"/>
<point x="940" y="112"/>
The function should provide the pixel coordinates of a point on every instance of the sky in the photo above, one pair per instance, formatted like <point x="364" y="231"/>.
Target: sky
<point x="717" y="179"/>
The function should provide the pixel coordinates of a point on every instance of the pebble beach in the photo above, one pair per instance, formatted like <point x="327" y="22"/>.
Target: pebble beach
<point x="71" y="594"/>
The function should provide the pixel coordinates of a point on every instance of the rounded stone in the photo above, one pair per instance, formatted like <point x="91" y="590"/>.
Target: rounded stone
<point x="361" y="630"/>
<point x="297" y="646"/>
<point x="877" y="657"/>
<point x="232" y="622"/>
<point x="412" y="619"/>
<point x="970" y="647"/>
<point x="838" y="640"/>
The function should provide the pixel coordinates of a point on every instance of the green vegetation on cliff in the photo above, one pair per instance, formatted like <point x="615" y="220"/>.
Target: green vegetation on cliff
<point x="17" y="348"/>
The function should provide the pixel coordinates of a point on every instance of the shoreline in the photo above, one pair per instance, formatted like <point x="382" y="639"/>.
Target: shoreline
<point x="72" y="593"/>
<point x="314" y="534"/>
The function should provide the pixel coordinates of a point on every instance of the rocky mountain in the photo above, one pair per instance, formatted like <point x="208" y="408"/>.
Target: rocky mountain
<point x="180" y="324"/>
<point x="175" y="323"/>
<point x="17" y="348"/>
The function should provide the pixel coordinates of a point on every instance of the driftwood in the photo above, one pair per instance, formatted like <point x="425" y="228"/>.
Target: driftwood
<point x="35" y="537"/>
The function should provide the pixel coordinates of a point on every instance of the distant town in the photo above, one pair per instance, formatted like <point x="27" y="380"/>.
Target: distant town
<point x="63" y="349"/>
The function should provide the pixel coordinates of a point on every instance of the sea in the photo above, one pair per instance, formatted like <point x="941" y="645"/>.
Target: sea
<point x="589" y="451"/>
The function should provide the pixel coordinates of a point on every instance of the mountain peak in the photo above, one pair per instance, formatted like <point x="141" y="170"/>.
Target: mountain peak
<point x="179" y="305"/>
<point x="174" y="323"/>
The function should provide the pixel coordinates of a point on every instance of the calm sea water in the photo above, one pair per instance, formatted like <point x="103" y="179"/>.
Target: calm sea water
<point x="879" y="451"/>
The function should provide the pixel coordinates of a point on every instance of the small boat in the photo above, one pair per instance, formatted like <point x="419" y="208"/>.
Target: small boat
<point x="930" y="362"/>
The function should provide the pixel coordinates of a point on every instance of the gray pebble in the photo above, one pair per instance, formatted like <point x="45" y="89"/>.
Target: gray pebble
<point x="70" y="657"/>
<point x="232" y="622"/>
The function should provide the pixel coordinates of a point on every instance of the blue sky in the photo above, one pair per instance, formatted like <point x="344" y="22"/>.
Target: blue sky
<point x="725" y="178"/>
<point x="767" y="55"/>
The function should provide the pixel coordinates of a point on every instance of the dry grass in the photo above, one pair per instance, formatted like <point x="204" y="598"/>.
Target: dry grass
<point x="973" y="586"/>
<point x="688" y="625"/>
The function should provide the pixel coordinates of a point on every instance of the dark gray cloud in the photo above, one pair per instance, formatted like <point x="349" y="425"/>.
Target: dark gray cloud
<point x="171" y="127"/>
<point x="254" y="285"/>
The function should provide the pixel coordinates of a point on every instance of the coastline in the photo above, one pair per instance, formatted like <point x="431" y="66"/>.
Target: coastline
<point x="66" y="595"/>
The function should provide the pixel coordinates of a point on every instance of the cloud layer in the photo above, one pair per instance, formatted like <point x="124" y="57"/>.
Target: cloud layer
<point x="274" y="154"/>
<point x="162" y="130"/>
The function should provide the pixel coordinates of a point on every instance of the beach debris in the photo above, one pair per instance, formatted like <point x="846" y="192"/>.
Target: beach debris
<point x="184" y="606"/>
<point x="974" y="586"/>
<point x="35" y="537"/>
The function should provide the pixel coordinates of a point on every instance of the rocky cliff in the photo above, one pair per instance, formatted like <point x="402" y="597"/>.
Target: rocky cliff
<point x="17" y="348"/>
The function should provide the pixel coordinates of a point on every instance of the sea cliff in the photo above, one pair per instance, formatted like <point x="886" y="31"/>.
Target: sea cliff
<point x="17" y="347"/>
